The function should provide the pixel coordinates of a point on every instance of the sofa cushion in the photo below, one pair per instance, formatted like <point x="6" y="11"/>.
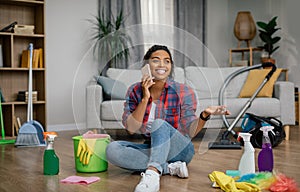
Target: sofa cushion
<point x="207" y="81"/>
<point x="112" y="110"/>
<point x="254" y="80"/>
<point x="127" y="76"/>
<point x="179" y="75"/>
<point x="271" y="106"/>
<point x="130" y="76"/>
<point x="112" y="89"/>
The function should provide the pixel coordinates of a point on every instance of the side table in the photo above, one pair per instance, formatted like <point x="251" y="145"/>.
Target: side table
<point x="243" y="51"/>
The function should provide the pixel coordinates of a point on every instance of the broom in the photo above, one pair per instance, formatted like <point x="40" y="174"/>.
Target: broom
<point x="3" y="140"/>
<point x="31" y="132"/>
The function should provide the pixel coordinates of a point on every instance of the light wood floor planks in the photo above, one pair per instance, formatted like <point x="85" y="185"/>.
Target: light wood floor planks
<point x="21" y="169"/>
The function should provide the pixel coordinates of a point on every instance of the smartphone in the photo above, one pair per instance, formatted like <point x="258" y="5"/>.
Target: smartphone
<point x="146" y="71"/>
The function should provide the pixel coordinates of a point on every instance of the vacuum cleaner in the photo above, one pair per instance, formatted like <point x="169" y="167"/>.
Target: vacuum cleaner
<point x="225" y="142"/>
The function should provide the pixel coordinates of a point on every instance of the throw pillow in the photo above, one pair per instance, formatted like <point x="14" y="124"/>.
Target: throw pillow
<point x="255" y="78"/>
<point x="112" y="89"/>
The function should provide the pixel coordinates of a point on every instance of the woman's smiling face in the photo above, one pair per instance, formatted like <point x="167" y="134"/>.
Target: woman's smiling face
<point x="160" y="65"/>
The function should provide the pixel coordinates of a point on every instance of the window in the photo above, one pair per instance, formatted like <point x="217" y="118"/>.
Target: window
<point x="159" y="12"/>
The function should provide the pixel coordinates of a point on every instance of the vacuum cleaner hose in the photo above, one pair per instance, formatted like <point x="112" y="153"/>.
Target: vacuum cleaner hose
<point x="269" y="75"/>
<point x="228" y="80"/>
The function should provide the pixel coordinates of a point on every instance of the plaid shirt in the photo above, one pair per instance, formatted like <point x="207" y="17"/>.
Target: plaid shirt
<point x="177" y="105"/>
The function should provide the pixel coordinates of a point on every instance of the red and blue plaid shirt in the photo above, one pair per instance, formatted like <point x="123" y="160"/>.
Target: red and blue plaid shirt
<point x="177" y="105"/>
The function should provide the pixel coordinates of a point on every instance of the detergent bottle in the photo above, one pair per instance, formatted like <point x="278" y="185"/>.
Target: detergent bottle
<point x="51" y="161"/>
<point x="247" y="161"/>
<point x="265" y="156"/>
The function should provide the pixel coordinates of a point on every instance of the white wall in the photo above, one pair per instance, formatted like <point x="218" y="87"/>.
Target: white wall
<point x="67" y="42"/>
<point x="290" y="48"/>
<point x="220" y="22"/>
<point x="217" y="38"/>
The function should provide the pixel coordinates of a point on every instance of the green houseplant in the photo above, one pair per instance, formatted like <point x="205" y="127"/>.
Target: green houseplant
<point x="112" y="43"/>
<point x="266" y="32"/>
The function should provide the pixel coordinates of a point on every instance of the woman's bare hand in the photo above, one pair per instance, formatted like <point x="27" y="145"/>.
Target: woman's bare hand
<point x="217" y="110"/>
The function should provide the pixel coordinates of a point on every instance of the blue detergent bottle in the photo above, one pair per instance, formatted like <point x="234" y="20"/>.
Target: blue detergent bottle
<point x="265" y="156"/>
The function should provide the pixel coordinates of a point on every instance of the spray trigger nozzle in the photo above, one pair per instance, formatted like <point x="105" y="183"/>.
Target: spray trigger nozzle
<point x="245" y="136"/>
<point x="266" y="129"/>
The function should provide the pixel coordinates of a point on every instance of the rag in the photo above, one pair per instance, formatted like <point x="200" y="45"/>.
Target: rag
<point x="228" y="184"/>
<point x="80" y="180"/>
<point x="85" y="150"/>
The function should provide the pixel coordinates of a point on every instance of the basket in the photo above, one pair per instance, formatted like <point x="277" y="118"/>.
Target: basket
<point x="97" y="161"/>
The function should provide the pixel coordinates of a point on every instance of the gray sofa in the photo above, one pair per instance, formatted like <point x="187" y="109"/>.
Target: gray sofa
<point x="206" y="82"/>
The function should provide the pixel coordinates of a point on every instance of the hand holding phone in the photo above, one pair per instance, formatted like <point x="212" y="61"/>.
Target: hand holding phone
<point x="146" y="71"/>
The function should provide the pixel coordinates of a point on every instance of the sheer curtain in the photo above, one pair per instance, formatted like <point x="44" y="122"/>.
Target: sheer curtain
<point x="156" y="15"/>
<point x="189" y="16"/>
<point x="132" y="12"/>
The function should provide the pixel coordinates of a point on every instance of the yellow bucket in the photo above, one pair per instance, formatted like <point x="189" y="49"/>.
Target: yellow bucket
<point x="98" y="162"/>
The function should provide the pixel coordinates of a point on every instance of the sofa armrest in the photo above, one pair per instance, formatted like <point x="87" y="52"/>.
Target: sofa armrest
<point x="284" y="91"/>
<point x="94" y="98"/>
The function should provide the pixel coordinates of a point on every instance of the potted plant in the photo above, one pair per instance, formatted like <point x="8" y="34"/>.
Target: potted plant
<point x="266" y="32"/>
<point x="112" y="44"/>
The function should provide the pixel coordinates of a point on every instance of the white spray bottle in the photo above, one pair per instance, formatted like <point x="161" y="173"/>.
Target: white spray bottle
<point x="247" y="162"/>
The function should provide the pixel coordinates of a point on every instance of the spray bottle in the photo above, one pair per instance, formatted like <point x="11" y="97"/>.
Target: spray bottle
<point x="247" y="162"/>
<point x="51" y="161"/>
<point x="265" y="156"/>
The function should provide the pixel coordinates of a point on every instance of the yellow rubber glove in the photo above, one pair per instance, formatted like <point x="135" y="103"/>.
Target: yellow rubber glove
<point x="247" y="187"/>
<point x="81" y="150"/>
<point x="85" y="150"/>
<point x="90" y="144"/>
<point x="225" y="182"/>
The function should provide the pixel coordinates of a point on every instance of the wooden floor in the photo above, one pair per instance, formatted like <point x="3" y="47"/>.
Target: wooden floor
<point x="21" y="169"/>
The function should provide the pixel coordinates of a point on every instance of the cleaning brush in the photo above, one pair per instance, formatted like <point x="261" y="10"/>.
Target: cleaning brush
<point x="28" y="134"/>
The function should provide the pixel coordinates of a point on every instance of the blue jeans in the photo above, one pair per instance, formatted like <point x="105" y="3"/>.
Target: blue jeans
<point x="167" y="145"/>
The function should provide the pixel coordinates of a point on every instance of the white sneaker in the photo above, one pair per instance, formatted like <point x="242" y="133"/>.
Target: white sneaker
<point x="178" y="168"/>
<point x="149" y="182"/>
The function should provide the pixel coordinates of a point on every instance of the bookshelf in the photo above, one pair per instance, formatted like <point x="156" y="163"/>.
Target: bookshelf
<point x="14" y="77"/>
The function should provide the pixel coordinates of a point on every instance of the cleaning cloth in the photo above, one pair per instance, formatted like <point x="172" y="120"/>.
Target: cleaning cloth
<point x="80" y="180"/>
<point x="228" y="184"/>
<point x="92" y="135"/>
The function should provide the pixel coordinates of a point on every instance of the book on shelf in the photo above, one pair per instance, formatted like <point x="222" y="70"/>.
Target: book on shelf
<point x="25" y="59"/>
<point x="23" y="96"/>
<point x="41" y="58"/>
<point x="1" y="96"/>
<point x="1" y="56"/>
<point x="37" y="58"/>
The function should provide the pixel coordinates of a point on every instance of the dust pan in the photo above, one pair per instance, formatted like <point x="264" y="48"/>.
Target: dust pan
<point x="31" y="133"/>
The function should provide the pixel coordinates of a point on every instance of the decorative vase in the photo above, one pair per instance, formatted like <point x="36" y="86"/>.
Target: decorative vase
<point x="268" y="60"/>
<point x="244" y="27"/>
